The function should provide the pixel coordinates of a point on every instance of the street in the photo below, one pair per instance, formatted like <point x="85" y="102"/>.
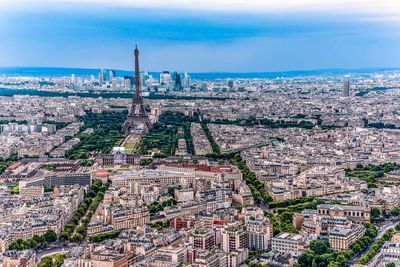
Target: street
<point x="382" y="228"/>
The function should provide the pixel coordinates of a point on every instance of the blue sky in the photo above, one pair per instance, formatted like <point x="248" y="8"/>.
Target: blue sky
<point x="201" y="35"/>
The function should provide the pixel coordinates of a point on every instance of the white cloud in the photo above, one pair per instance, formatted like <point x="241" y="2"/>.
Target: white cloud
<point x="380" y="8"/>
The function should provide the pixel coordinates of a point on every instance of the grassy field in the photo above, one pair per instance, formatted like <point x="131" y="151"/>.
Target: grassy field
<point x="131" y="144"/>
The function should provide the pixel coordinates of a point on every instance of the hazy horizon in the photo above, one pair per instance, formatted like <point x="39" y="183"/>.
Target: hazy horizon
<point x="85" y="72"/>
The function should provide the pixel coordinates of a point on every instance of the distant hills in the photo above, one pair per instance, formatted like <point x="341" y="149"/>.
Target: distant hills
<point x="57" y="72"/>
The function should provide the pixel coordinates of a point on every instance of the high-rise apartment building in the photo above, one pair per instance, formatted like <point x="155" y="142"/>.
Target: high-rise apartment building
<point x="233" y="237"/>
<point x="346" y="88"/>
<point x="259" y="233"/>
<point x="202" y="238"/>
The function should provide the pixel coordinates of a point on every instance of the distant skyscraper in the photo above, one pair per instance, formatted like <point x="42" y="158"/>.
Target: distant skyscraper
<point x="204" y="87"/>
<point x="90" y="86"/>
<point x="186" y="81"/>
<point x="106" y="75"/>
<point x="177" y="81"/>
<point x="111" y="74"/>
<point x="146" y="78"/>
<point x="114" y="83"/>
<point x="346" y="88"/>
<point x="102" y="76"/>
<point x="229" y="82"/>
<point x="165" y="77"/>
<point x="129" y="81"/>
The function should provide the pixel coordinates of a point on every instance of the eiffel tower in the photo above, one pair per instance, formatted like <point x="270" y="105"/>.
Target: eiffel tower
<point x="137" y="120"/>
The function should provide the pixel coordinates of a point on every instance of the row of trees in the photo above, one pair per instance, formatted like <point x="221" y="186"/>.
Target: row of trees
<point x="371" y="172"/>
<point x="366" y="257"/>
<point x="380" y="125"/>
<point x="217" y="154"/>
<point x="73" y="223"/>
<point x="301" y="206"/>
<point x="267" y="122"/>
<point x="164" y="134"/>
<point x="35" y="242"/>
<point x="257" y="188"/>
<point x="320" y="253"/>
<point x="13" y="121"/>
<point x="211" y="139"/>
<point x="101" y="237"/>
<point x="366" y="91"/>
<point x="107" y="133"/>
<point x="188" y="137"/>
<point x="82" y="229"/>
<point x="87" y="208"/>
<point x="289" y="202"/>
<point x="144" y="162"/>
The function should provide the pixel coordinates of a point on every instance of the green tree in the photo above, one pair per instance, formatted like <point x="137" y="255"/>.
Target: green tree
<point x="46" y="261"/>
<point x="395" y="211"/>
<point x="76" y="238"/>
<point x="324" y="259"/>
<point x="64" y="236"/>
<point x="375" y="214"/>
<point x="320" y="246"/>
<point x="306" y="259"/>
<point x="81" y="229"/>
<point x="341" y="259"/>
<point x="333" y="264"/>
<point x="59" y="259"/>
<point x="50" y="236"/>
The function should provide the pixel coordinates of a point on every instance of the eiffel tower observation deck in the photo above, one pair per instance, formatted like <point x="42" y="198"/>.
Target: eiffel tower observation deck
<point x="137" y="121"/>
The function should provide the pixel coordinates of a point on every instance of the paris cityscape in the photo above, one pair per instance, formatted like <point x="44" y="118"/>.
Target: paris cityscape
<point x="126" y="166"/>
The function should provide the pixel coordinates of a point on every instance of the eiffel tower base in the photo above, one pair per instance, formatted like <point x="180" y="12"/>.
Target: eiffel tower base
<point x="137" y="124"/>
